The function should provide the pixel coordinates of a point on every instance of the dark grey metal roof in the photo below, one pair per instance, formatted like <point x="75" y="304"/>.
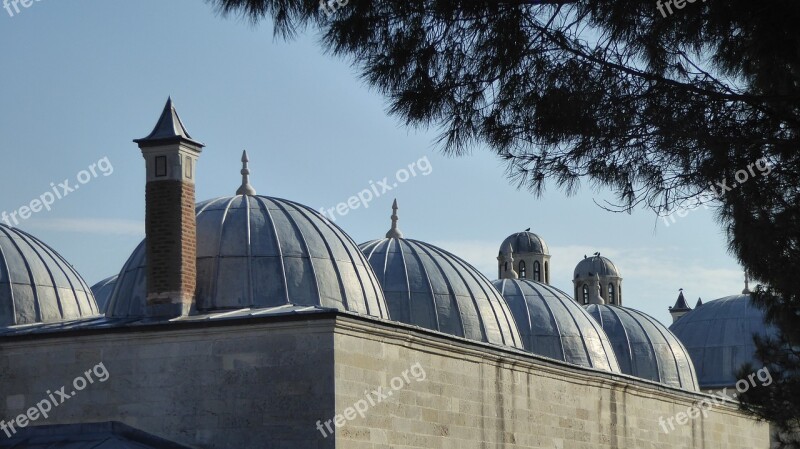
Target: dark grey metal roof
<point x="37" y="285"/>
<point x="257" y="251"/>
<point x="719" y="338"/>
<point x="553" y="325"/>
<point x="429" y="287"/>
<point x="525" y="242"/>
<point x="644" y="347"/>
<point x="595" y="265"/>
<point x="108" y="435"/>
<point x="680" y="304"/>
<point x="168" y="129"/>
<point x="102" y="292"/>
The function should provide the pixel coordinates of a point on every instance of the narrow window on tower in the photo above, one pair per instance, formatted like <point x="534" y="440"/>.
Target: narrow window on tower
<point x="585" y="294"/>
<point x="161" y="166"/>
<point x="611" y="293"/>
<point x="522" y="270"/>
<point x="537" y="271"/>
<point x="188" y="167"/>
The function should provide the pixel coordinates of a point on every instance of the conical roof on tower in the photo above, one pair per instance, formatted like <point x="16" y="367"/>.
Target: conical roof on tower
<point x="168" y="129"/>
<point x="681" y="304"/>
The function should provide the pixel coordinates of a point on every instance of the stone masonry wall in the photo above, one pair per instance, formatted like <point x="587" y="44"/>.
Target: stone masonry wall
<point x="483" y="398"/>
<point x="269" y="383"/>
<point x="223" y="387"/>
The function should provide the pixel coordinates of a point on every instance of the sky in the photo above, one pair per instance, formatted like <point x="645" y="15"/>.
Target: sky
<point x="85" y="78"/>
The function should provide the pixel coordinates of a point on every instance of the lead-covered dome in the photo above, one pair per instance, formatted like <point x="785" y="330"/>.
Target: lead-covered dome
<point x="429" y="287"/>
<point x="553" y="325"/>
<point x="525" y="242"/>
<point x="719" y="337"/>
<point x="644" y="347"/>
<point x="102" y="292"/>
<point x="37" y="285"/>
<point x="257" y="251"/>
<point x="595" y="265"/>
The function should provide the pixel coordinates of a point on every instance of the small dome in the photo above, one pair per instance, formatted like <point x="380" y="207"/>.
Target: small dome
<point x="102" y="292"/>
<point x="37" y="285"/>
<point x="719" y="338"/>
<point x="258" y="251"/>
<point x="525" y="242"/>
<point x="428" y="287"/>
<point x="553" y="325"/>
<point x="595" y="265"/>
<point x="644" y="347"/>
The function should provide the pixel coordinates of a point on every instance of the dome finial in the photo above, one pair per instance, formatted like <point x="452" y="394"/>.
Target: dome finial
<point x="746" y="290"/>
<point x="246" y="188"/>
<point x="509" y="260"/>
<point x="394" y="233"/>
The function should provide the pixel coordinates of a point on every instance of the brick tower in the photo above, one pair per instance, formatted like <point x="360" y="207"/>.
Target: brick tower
<point x="171" y="156"/>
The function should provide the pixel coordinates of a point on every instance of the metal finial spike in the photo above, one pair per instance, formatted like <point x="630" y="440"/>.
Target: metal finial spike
<point x="509" y="255"/>
<point x="246" y="188"/>
<point x="394" y="233"/>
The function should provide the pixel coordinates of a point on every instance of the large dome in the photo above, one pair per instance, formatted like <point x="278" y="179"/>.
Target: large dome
<point x="525" y="242"/>
<point x="37" y="285"/>
<point x="257" y="251"/>
<point x="553" y="325"/>
<point x="644" y="347"/>
<point x="719" y="337"/>
<point x="428" y="287"/>
<point x="595" y="265"/>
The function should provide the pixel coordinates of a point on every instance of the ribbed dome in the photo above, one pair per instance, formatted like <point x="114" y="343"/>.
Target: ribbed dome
<point x="525" y="242"/>
<point x="553" y="325"/>
<point x="257" y="251"/>
<point x="37" y="285"/>
<point x="102" y="292"/>
<point x="644" y="347"/>
<point x="428" y="287"/>
<point x="595" y="265"/>
<point x="719" y="338"/>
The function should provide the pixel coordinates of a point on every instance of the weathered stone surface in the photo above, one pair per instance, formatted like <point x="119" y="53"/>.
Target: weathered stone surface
<point x="265" y="384"/>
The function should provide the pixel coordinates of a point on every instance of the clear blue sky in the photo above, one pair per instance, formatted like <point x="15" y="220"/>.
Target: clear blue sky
<point x="85" y="78"/>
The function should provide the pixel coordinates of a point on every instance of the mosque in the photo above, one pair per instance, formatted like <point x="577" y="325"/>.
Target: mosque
<point x="249" y="321"/>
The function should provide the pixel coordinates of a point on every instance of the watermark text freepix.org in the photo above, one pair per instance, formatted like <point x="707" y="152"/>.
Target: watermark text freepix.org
<point x="54" y="399"/>
<point x="703" y="406"/>
<point x="377" y="189"/>
<point x="718" y="190"/>
<point x="372" y="398"/>
<point x="331" y="6"/>
<point x="668" y="4"/>
<point x="57" y="191"/>
<point x="15" y="4"/>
